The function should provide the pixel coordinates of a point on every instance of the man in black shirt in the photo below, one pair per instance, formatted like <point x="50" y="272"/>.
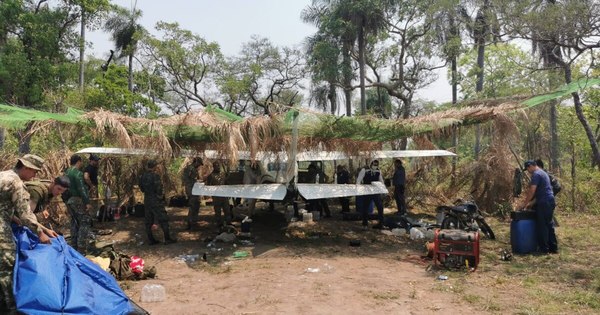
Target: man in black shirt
<point x="343" y="177"/>
<point x="90" y="174"/>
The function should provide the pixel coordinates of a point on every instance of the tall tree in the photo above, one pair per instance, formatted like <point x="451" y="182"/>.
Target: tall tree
<point x="264" y="76"/>
<point x="90" y="11"/>
<point x="187" y="62"/>
<point x="450" y="20"/>
<point x="567" y="31"/>
<point x="353" y="20"/>
<point x="407" y="52"/>
<point x="481" y="31"/>
<point x="330" y="50"/>
<point x="125" y="32"/>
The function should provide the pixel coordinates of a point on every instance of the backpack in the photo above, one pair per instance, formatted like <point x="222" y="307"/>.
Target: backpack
<point x="41" y="189"/>
<point x="556" y="188"/>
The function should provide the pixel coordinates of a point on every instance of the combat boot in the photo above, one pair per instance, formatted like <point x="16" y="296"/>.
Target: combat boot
<point x="151" y="239"/>
<point x="168" y="238"/>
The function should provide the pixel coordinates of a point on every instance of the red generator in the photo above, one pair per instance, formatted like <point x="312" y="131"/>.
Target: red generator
<point x="456" y="249"/>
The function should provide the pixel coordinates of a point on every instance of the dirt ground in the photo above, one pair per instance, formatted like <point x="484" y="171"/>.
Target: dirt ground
<point x="290" y="269"/>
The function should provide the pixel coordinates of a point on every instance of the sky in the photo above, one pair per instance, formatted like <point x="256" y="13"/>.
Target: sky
<point x="232" y="23"/>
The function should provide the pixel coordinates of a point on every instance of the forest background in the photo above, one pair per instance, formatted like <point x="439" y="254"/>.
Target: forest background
<point x="366" y="58"/>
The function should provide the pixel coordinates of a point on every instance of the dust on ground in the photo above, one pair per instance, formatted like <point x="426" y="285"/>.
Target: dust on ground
<point x="290" y="269"/>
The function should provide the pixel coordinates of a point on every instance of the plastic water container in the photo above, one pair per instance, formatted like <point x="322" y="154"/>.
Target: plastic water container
<point x="307" y="217"/>
<point x="416" y="234"/>
<point x="523" y="233"/>
<point x="153" y="293"/>
<point x="289" y="213"/>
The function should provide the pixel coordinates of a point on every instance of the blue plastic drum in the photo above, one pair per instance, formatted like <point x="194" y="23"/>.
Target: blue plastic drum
<point x="523" y="234"/>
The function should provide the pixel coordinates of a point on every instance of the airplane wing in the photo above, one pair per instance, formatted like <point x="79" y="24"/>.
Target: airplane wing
<point x="323" y="191"/>
<point x="385" y="154"/>
<point x="255" y="191"/>
<point x="116" y="151"/>
<point x="390" y="154"/>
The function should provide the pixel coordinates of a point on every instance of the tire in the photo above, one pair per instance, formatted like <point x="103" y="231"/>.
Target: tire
<point x="451" y="222"/>
<point x="486" y="229"/>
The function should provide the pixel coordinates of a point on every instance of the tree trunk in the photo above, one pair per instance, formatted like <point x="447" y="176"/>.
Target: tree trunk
<point x="82" y="51"/>
<point x="405" y="115"/>
<point x="24" y="138"/>
<point x="479" y="89"/>
<point x="130" y="79"/>
<point x="481" y="29"/>
<point x="332" y="96"/>
<point x="361" y="65"/>
<point x="550" y="54"/>
<point x="347" y="77"/>
<point x="581" y="116"/>
<point x="554" y="150"/>
<point x="573" y="175"/>
<point x="454" y="101"/>
<point x="2" y="133"/>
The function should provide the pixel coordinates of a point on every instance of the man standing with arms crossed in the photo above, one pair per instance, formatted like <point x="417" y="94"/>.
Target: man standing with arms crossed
<point x="154" y="203"/>
<point x="399" y="186"/>
<point x="189" y="178"/>
<point x="14" y="202"/>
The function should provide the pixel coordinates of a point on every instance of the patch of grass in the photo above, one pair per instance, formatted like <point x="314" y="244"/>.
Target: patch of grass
<point x="583" y="298"/>
<point x="213" y="267"/>
<point x="492" y="306"/>
<point x="472" y="298"/>
<point x="531" y="281"/>
<point x="517" y="268"/>
<point x="388" y="295"/>
<point x="265" y="300"/>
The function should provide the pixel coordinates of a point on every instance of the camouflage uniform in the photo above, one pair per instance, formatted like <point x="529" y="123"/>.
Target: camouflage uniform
<point x="81" y="220"/>
<point x="189" y="178"/>
<point x="154" y="205"/>
<point x="14" y="201"/>
<point x="221" y="204"/>
<point x="38" y="193"/>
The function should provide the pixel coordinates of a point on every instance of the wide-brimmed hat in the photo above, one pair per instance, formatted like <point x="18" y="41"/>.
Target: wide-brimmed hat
<point x="32" y="161"/>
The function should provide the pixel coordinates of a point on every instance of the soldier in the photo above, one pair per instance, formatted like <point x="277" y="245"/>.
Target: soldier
<point x="154" y="203"/>
<point x="221" y="204"/>
<point x="78" y="206"/>
<point x="399" y="182"/>
<point x="90" y="176"/>
<point x="14" y="202"/>
<point x="189" y="178"/>
<point x="42" y="192"/>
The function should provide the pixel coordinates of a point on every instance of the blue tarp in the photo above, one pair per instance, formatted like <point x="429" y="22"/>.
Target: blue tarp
<point x="56" y="279"/>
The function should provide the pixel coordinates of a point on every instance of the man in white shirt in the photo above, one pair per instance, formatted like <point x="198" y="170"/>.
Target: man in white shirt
<point x="367" y="176"/>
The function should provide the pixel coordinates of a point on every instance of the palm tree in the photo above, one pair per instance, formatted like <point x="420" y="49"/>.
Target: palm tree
<point x="367" y="17"/>
<point x="349" y="21"/>
<point x="124" y="28"/>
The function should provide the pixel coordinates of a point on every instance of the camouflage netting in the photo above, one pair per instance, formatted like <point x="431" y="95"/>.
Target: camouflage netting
<point x="217" y="129"/>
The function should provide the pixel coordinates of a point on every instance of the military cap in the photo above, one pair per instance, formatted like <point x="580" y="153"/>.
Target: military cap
<point x="32" y="161"/>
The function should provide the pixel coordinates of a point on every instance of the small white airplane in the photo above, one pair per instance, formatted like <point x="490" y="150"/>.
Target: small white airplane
<point x="279" y="190"/>
<point x="275" y="185"/>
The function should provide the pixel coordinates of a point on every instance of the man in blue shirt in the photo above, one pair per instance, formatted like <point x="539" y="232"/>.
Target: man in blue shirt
<point x="541" y="190"/>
